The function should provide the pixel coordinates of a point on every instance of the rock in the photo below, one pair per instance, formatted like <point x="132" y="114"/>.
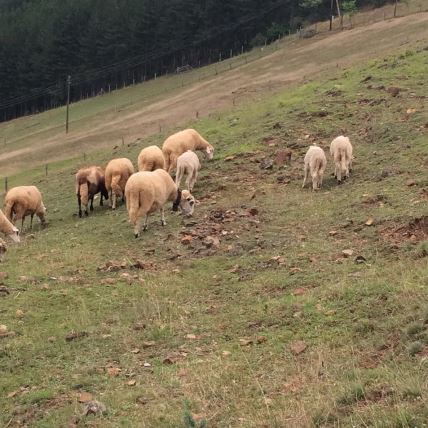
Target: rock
<point x="187" y="239"/>
<point x="366" y="79"/>
<point x="393" y="90"/>
<point x="266" y="164"/>
<point x="85" y="397"/>
<point x="332" y="232"/>
<point x="298" y="347"/>
<point x="211" y="241"/>
<point x="3" y="275"/>
<point x="253" y="211"/>
<point x="75" y="335"/>
<point x="282" y="157"/>
<point x="149" y="344"/>
<point x="19" y="313"/>
<point x="94" y="407"/>
<point x="360" y="259"/>
<point x="3" y="329"/>
<point x="245" y="342"/>
<point x="410" y="183"/>
<point x="131" y="382"/>
<point x="369" y="221"/>
<point x="299" y="292"/>
<point x="347" y="253"/>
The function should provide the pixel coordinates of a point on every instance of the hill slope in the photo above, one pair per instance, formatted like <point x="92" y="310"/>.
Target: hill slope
<point x="140" y="111"/>
<point x="256" y="318"/>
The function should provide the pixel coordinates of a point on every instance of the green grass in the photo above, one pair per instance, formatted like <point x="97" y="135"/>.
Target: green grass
<point x="223" y="320"/>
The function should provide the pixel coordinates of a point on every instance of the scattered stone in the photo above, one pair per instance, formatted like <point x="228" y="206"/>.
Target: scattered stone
<point x="298" y="347"/>
<point x="19" y="313"/>
<point x="85" y="397"/>
<point x="245" y="342"/>
<point x="347" y="253"/>
<point x="266" y="164"/>
<point x="299" y="292"/>
<point x="410" y="183"/>
<point x="282" y="157"/>
<point x="360" y="259"/>
<point x="369" y="221"/>
<point x="94" y="407"/>
<point x="253" y="211"/>
<point x="132" y="382"/>
<point x="149" y="343"/>
<point x="393" y="90"/>
<point x="76" y="335"/>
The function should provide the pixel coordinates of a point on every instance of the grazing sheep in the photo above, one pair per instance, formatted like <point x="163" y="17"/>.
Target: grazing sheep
<point x="179" y="143"/>
<point x="147" y="192"/>
<point x="22" y="201"/>
<point x="150" y="159"/>
<point x="8" y="228"/>
<point x="116" y="175"/>
<point x="315" y="163"/>
<point x="341" y="152"/>
<point x="187" y="163"/>
<point x="89" y="182"/>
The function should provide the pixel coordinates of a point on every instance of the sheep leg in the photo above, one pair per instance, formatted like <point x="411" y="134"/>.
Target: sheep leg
<point x="110" y="198"/>
<point x="31" y="221"/>
<point x="163" y="222"/>
<point x="113" y="197"/>
<point x="101" y="200"/>
<point x="178" y="177"/>
<point x="305" y="176"/>
<point x="188" y="180"/>
<point x="92" y="204"/>
<point x="79" y="202"/>
<point x="137" y="228"/>
<point x="22" y="223"/>
<point x="145" y="222"/>
<point x="193" y="180"/>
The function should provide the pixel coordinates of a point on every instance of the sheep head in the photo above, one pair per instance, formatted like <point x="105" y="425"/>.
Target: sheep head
<point x="187" y="203"/>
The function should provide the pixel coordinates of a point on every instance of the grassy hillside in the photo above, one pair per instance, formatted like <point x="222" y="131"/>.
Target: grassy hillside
<point x="249" y="314"/>
<point x="170" y="101"/>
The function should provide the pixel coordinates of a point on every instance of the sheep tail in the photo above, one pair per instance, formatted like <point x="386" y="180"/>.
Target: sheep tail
<point x="133" y="205"/>
<point x="83" y="191"/>
<point x="8" y="210"/>
<point x="115" y="187"/>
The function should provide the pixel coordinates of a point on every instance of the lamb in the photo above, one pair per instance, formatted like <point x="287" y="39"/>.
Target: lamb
<point x="179" y="143"/>
<point x="8" y="228"/>
<point x="315" y="163"/>
<point x="89" y="182"/>
<point x="147" y="192"/>
<point x="22" y="201"/>
<point x="117" y="174"/>
<point x="187" y="163"/>
<point x="150" y="159"/>
<point x="341" y="152"/>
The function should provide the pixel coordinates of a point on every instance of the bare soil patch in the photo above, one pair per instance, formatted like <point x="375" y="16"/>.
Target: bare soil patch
<point x="415" y="231"/>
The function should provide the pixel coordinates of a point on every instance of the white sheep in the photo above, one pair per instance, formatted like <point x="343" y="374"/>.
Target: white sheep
<point x="22" y="201"/>
<point x="150" y="159"/>
<point x="8" y="228"/>
<point x="315" y="163"/>
<point x="147" y="192"/>
<point x="117" y="174"/>
<point x="187" y="163"/>
<point x="179" y="143"/>
<point x="341" y="152"/>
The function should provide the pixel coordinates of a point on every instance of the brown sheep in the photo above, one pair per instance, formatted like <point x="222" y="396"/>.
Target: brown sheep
<point x="179" y="143"/>
<point x="22" y="201"/>
<point x="89" y="182"/>
<point x="150" y="159"/>
<point x="116" y="175"/>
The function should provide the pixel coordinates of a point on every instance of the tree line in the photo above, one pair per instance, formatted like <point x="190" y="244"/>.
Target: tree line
<point x="106" y="44"/>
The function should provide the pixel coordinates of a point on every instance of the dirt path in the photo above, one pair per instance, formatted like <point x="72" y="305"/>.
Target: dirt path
<point x="298" y="60"/>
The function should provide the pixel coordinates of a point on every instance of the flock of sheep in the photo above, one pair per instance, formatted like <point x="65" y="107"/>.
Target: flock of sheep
<point x="152" y="187"/>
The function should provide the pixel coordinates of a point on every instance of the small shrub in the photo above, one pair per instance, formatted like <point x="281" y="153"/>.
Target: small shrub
<point x="415" y="347"/>
<point x="258" y="40"/>
<point x="352" y="396"/>
<point x="422" y="249"/>
<point x="415" y="328"/>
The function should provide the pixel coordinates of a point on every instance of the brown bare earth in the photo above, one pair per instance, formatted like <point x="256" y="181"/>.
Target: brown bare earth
<point x="297" y="60"/>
